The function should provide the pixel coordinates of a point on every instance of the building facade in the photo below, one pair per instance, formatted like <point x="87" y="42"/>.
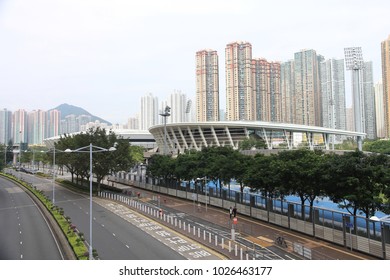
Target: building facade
<point x="379" y="110"/>
<point x="238" y="59"/>
<point x="149" y="111"/>
<point x="5" y="126"/>
<point x="333" y="94"/>
<point x="368" y="100"/>
<point x="385" y="53"/>
<point x="287" y="90"/>
<point x="266" y="98"/>
<point x="207" y="86"/>
<point x="307" y="88"/>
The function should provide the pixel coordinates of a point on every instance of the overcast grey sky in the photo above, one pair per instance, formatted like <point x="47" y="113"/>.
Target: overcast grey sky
<point x="103" y="55"/>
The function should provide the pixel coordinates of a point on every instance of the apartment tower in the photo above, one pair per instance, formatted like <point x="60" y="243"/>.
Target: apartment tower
<point x="207" y="86"/>
<point x="238" y="58"/>
<point x="385" y="51"/>
<point x="307" y="88"/>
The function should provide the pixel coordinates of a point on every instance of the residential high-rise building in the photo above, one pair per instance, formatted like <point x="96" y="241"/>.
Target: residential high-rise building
<point x="36" y="127"/>
<point x="238" y="58"/>
<point x="333" y="94"/>
<point x="287" y="90"/>
<point x="266" y="99"/>
<point x="379" y="111"/>
<point x="385" y="51"/>
<point x="307" y="88"/>
<point x="207" y="86"/>
<point x="178" y="102"/>
<point x="350" y="119"/>
<point x="19" y="126"/>
<point x="133" y="122"/>
<point x="5" y="126"/>
<point x="368" y="100"/>
<point x="149" y="111"/>
<point x="53" y="123"/>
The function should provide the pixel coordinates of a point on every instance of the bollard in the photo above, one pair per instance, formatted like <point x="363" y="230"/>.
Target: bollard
<point x="223" y="244"/>
<point x="216" y="240"/>
<point x="209" y="237"/>
<point x="230" y="246"/>
<point x="204" y="235"/>
<point x="198" y="232"/>
<point x="184" y="226"/>
<point x="179" y="224"/>
<point x="240" y="253"/>
<point x="235" y="250"/>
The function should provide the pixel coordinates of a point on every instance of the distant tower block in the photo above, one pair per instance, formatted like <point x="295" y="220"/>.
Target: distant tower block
<point x="354" y="62"/>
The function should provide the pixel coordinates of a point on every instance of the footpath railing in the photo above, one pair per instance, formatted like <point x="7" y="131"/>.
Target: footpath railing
<point x="355" y="233"/>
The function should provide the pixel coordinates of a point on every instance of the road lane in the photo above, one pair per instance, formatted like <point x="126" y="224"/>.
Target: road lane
<point x="113" y="237"/>
<point x="24" y="232"/>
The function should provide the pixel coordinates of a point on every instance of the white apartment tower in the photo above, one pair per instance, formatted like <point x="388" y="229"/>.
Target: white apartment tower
<point x="19" y="126"/>
<point x="149" y="111"/>
<point x="333" y="94"/>
<point x="5" y="126"/>
<point x="178" y="102"/>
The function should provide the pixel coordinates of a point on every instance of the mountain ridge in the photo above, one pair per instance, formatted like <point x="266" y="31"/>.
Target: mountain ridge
<point x="67" y="109"/>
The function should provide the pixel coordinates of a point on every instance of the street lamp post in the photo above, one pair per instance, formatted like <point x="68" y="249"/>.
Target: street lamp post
<point x="165" y="115"/>
<point x="90" y="151"/>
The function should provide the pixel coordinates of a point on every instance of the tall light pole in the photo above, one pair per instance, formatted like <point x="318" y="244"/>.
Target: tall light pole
<point x="165" y="115"/>
<point x="354" y="62"/>
<point x="90" y="150"/>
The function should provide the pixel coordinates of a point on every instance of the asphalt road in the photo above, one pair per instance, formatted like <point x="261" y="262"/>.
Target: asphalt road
<point x="113" y="237"/>
<point x="24" y="232"/>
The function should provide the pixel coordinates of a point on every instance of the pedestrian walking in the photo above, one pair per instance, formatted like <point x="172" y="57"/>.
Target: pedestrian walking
<point x="234" y="211"/>
<point x="230" y="212"/>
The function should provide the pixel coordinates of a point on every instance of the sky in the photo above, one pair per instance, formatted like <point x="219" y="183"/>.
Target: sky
<point x="104" y="55"/>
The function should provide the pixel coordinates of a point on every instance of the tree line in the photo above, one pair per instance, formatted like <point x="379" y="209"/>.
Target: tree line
<point x="356" y="181"/>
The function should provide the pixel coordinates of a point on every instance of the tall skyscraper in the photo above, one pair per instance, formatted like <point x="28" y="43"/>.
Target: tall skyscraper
<point x="207" y="86"/>
<point x="333" y="94"/>
<point x="53" y="123"/>
<point x="307" y="88"/>
<point x="177" y="101"/>
<point x="265" y="102"/>
<point x="149" y="111"/>
<point x="368" y="100"/>
<point x="385" y="51"/>
<point x="5" y="126"/>
<point x="379" y="111"/>
<point x="19" y="126"/>
<point x="238" y="58"/>
<point x="36" y="127"/>
<point x="287" y="84"/>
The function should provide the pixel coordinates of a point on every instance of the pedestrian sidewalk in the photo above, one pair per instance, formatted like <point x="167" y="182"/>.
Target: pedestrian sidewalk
<point x="256" y="231"/>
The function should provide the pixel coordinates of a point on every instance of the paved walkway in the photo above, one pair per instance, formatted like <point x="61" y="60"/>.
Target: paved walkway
<point x="248" y="229"/>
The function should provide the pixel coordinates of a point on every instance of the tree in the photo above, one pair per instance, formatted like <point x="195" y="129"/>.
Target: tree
<point x="304" y="175"/>
<point x="161" y="166"/>
<point x="260" y="176"/>
<point x="359" y="182"/>
<point x="378" y="146"/>
<point x="104" y="163"/>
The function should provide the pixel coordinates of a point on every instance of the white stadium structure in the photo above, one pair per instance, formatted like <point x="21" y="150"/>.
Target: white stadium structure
<point x="181" y="137"/>
<point x="187" y="136"/>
